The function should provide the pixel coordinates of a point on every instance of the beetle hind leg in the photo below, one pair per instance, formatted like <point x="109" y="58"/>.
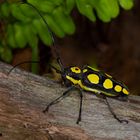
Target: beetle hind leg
<point x="113" y="113"/>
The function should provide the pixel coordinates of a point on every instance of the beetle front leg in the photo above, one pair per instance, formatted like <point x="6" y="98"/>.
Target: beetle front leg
<point x="65" y="94"/>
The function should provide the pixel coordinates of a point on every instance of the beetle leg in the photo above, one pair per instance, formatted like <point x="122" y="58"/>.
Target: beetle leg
<point x="65" y="94"/>
<point x="113" y="113"/>
<point x="81" y="103"/>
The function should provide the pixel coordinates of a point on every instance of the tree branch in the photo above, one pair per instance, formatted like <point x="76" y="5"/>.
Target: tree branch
<point x="23" y="96"/>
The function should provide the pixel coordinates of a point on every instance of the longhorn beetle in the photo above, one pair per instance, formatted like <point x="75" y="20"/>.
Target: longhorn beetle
<point x="86" y="79"/>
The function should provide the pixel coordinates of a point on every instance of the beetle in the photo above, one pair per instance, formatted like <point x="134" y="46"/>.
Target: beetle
<point x="90" y="80"/>
<point x="86" y="79"/>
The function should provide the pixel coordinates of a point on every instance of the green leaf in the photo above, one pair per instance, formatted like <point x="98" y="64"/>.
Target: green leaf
<point x="43" y="32"/>
<point x="126" y="4"/>
<point x="65" y="22"/>
<point x="86" y="9"/>
<point x="102" y="9"/>
<point x="10" y="34"/>
<point x="28" y="11"/>
<point x="89" y="13"/>
<point x="57" y="2"/>
<point x="54" y="26"/>
<point x="113" y="8"/>
<point x="43" y="5"/>
<point x="17" y="13"/>
<point x="30" y="34"/>
<point x="20" y="39"/>
<point x="4" y="9"/>
<point x="69" y="5"/>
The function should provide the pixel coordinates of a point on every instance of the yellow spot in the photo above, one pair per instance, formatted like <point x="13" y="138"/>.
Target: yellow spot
<point x="118" y="88"/>
<point x="108" y="84"/>
<point x="108" y="75"/>
<point x="125" y="91"/>
<point x="85" y="70"/>
<point x="75" y="70"/>
<point x="72" y="80"/>
<point x="93" y="78"/>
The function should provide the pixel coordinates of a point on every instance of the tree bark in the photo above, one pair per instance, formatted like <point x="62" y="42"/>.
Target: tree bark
<point x="23" y="96"/>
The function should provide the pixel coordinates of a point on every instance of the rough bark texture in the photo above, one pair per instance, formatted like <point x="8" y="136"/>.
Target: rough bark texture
<point x="23" y="96"/>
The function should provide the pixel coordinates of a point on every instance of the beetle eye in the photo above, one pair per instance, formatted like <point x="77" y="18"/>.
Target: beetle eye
<point x="76" y="68"/>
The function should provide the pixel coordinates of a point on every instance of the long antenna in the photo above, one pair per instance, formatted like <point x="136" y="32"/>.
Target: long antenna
<point x="53" y="40"/>
<point x="50" y="32"/>
<point x="58" y="71"/>
<point x="23" y="62"/>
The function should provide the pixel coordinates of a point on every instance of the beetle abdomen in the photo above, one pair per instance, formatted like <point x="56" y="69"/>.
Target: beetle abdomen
<point x="97" y="81"/>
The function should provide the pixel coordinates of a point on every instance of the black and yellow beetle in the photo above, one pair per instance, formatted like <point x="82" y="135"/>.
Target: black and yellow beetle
<point x="91" y="80"/>
<point x="86" y="79"/>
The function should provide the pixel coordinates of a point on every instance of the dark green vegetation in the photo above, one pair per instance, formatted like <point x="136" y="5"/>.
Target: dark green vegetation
<point x="21" y="26"/>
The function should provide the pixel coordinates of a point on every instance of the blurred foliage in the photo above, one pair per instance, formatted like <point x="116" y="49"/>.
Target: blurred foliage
<point x="21" y="25"/>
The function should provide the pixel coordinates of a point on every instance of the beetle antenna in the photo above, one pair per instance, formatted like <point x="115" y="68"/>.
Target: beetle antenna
<point x="51" y="34"/>
<point x="23" y="62"/>
<point x="57" y="70"/>
<point x="53" y="40"/>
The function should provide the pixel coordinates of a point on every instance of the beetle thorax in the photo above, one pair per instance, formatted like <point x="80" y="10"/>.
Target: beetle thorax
<point x="71" y="75"/>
